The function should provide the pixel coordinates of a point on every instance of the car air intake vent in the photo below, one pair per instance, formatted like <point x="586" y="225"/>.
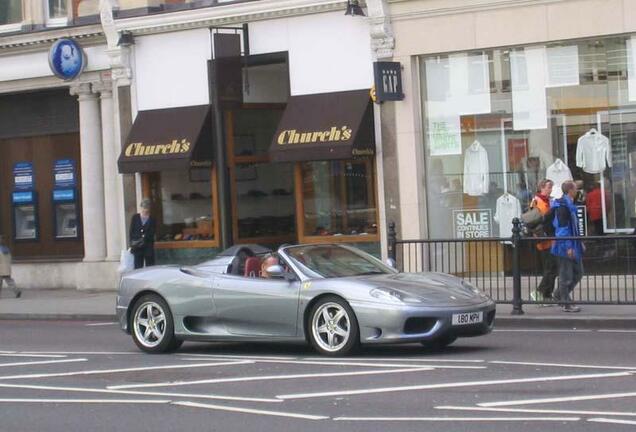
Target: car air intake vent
<point x="417" y="325"/>
<point x="490" y="317"/>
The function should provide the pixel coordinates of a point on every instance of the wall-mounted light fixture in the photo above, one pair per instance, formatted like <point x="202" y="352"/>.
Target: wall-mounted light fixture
<point x="354" y="9"/>
<point x="126" y="39"/>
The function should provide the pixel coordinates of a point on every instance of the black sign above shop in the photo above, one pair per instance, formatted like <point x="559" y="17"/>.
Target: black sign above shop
<point x="227" y="77"/>
<point x="325" y="126"/>
<point x="388" y="81"/>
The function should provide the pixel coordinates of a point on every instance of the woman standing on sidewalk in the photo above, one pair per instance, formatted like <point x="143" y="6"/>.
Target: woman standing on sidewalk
<point x="142" y="236"/>
<point x="5" y="269"/>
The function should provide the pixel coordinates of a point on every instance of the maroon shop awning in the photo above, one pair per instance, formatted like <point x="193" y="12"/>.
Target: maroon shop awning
<point x="167" y="139"/>
<point x="325" y="126"/>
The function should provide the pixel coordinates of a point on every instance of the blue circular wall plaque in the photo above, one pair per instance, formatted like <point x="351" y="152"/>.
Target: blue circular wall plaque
<point x="66" y="59"/>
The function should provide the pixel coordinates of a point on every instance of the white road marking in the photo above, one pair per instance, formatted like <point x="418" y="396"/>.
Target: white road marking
<point x="574" y="331"/>
<point x="139" y="353"/>
<point x="140" y="393"/>
<point x="43" y="362"/>
<point x="616" y="331"/>
<point x="462" y="419"/>
<point x="536" y="411"/>
<point x="558" y="399"/>
<point x="84" y="401"/>
<point x="268" y="378"/>
<point x="100" y="324"/>
<point x="138" y="369"/>
<point x="32" y="355"/>
<point x="441" y="360"/>
<point x="231" y="356"/>
<point x="614" y="421"/>
<point x="250" y="411"/>
<point x="349" y="363"/>
<point x="630" y="368"/>
<point x="451" y="385"/>
<point x="322" y="363"/>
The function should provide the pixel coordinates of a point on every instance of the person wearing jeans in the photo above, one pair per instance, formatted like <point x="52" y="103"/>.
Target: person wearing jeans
<point x="569" y="253"/>
<point x="541" y="202"/>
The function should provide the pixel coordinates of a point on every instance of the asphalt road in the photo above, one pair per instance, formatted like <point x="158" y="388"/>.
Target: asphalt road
<point x="79" y="376"/>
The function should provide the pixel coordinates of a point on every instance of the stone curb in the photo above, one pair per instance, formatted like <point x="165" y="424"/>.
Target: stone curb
<point x="57" y="317"/>
<point x="501" y="322"/>
<point x="570" y="322"/>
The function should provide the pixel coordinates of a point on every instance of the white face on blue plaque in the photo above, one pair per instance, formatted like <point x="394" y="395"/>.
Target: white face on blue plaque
<point x="66" y="59"/>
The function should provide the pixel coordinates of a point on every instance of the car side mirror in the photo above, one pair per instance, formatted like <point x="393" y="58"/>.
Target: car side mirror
<point x="275" y="271"/>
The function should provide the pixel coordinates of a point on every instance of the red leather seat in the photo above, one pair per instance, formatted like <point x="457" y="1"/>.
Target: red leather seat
<point x="252" y="267"/>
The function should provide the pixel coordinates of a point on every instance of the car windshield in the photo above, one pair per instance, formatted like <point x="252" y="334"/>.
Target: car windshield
<point x="329" y="261"/>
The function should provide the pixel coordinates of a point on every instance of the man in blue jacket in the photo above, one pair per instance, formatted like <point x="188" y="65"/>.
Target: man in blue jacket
<point x="569" y="253"/>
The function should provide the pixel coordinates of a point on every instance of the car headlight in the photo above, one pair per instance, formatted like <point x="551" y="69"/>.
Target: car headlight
<point x="392" y="296"/>
<point x="473" y="289"/>
<point x="470" y="287"/>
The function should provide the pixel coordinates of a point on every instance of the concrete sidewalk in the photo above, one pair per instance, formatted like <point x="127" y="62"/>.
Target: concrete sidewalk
<point x="100" y="306"/>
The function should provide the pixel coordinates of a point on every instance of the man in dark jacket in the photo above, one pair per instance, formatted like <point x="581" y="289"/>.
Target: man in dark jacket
<point x="142" y="236"/>
<point x="569" y="253"/>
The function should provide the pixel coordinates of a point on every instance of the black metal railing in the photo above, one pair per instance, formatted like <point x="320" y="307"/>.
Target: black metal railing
<point x="511" y="269"/>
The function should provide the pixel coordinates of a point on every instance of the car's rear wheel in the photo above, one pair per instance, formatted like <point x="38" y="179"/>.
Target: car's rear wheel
<point x="333" y="327"/>
<point x="439" y="343"/>
<point x="152" y="325"/>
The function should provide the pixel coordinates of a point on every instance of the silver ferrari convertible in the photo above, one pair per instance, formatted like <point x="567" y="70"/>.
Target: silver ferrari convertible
<point x="333" y="296"/>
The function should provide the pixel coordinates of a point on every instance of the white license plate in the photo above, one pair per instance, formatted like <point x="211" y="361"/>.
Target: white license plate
<point x="468" y="318"/>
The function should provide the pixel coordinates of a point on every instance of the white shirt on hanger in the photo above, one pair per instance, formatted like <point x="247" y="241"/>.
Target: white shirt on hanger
<point x="592" y="152"/>
<point x="476" y="170"/>
<point x="558" y="172"/>
<point x="507" y="208"/>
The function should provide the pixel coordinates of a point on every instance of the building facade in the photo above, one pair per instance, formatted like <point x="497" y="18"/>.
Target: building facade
<point x="243" y="122"/>
<point x="501" y="94"/>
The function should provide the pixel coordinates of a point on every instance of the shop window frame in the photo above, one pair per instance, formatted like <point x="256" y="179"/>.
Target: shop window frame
<point x="300" y="210"/>
<point x="190" y="244"/>
<point x="233" y="162"/>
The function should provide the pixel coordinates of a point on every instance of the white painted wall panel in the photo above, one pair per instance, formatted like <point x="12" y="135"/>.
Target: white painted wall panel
<point x="24" y="66"/>
<point x="269" y="36"/>
<point x="171" y="69"/>
<point x="35" y="65"/>
<point x="327" y="52"/>
<point x="96" y="58"/>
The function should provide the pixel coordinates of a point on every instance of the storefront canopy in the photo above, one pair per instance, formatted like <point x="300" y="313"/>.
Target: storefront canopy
<point x="167" y="139"/>
<point x="325" y="126"/>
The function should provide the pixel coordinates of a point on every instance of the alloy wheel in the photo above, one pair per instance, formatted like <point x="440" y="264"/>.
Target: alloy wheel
<point x="331" y="327"/>
<point x="150" y="324"/>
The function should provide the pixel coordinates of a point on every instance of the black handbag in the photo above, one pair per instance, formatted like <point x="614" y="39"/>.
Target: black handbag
<point x="137" y="244"/>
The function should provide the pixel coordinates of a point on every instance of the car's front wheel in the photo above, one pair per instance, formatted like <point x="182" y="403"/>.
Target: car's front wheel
<point x="333" y="327"/>
<point x="152" y="325"/>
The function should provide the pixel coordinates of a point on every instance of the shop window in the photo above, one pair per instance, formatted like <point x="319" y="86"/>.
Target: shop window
<point x="557" y="111"/>
<point x="338" y="200"/>
<point x="10" y="12"/>
<point x="263" y="206"/>
<point x="263" y="201"/>
<point x="184" y="205"/>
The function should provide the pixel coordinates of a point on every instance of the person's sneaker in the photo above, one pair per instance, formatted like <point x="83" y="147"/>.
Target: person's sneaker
<point x="536" y="296"/>
<point x="570" y="308"/>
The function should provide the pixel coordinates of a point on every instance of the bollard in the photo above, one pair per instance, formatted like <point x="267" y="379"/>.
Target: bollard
<point x="517" y="308"/>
